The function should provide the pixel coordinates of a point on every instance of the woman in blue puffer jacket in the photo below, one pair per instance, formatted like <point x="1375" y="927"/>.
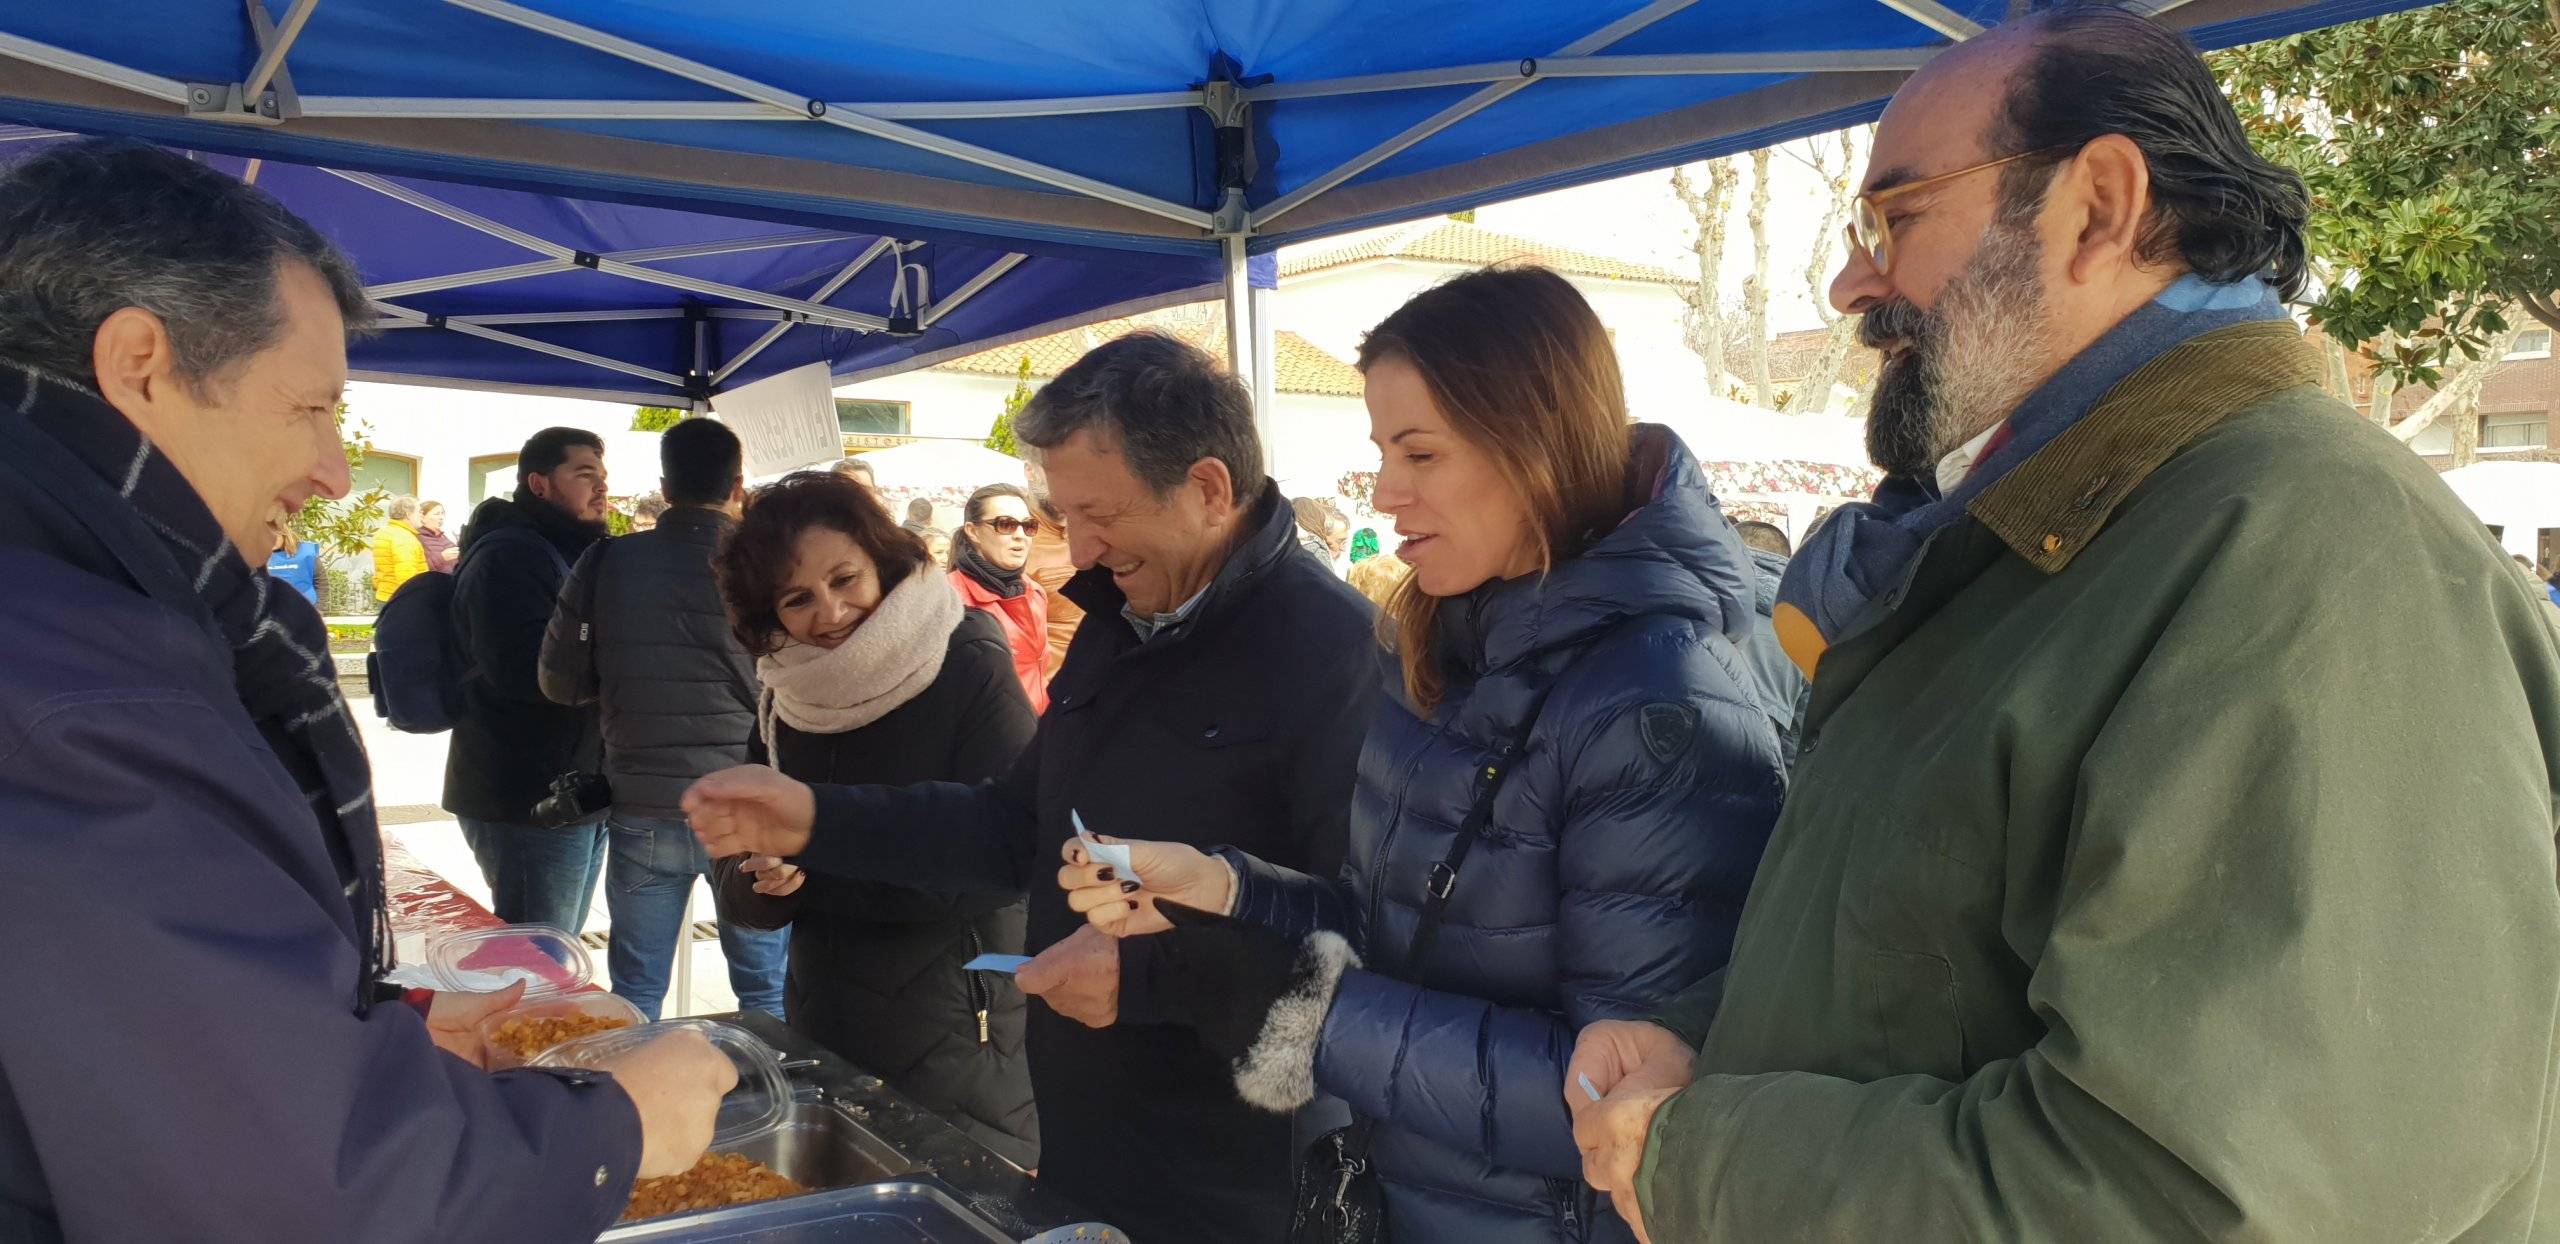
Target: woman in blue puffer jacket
<point x="1565" y="645"/>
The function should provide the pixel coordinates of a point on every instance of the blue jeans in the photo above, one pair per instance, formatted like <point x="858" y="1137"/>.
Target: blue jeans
<point x="535" y="875"/>
<point x="654" y="864"/>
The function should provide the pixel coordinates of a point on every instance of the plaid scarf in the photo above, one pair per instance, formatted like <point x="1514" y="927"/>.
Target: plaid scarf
<point x="279" y="646"/>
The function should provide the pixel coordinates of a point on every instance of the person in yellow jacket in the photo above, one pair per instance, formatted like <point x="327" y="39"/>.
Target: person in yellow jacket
<point x="398" y="554"/>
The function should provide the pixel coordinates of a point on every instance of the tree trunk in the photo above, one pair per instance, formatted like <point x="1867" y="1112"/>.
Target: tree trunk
<point x="2466" y="431"/>
<point x="2340" y="382"/>
<point x="2385" y="388"/>
<point x="1755" y="291"/>
<point x="2460" y="392"/>
<point x="1813" y="394"/>
<point x="1705" y="327"/>
<point x="1813" y="397"/>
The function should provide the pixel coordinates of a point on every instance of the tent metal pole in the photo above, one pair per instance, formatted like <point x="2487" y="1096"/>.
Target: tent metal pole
<point x="986" y="277"/>
<point x="826" y="291"/>
<point x="1690" y="64"/>
<point x="701" y="406"/>
<point x="575" y="317"/>
<point x="748" y="88"/>
<point x="1937" y="17"/>
<point x="270" y="61"/>
<point x="1266" y="377"/>
<point x="166" y="90"/>
<point x="481" y="276"/>
<point x="1666" y="65"/>
<point x="467" y="328"/>
<point x="1238" y="289"/>
<point x="500" y="386"/>
<point x="696" y="250"/>
<point x="441" y="109"/>
<point x="1483" y="98"/>
<point x="615" y="267"/>
<point x="491" y="276"/>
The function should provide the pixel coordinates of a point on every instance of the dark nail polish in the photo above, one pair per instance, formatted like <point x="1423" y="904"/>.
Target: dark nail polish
<point x="1128" y="887"/>
<point x="1106" y="874"/>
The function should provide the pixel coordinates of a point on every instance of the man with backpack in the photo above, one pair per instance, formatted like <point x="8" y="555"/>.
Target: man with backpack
<point x="642" y="633"/>
<point x="523" y="773"/>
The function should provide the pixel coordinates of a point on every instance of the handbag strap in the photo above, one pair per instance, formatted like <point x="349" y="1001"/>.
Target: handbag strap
<point x="1442" y="885"/>
<point x="1442" y="881"/>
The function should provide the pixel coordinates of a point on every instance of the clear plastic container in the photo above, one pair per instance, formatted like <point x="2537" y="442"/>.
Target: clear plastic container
<point x="752" y="1109"/>
<point x="557" y="975"/>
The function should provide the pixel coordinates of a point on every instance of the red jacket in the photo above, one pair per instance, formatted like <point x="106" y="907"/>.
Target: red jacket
<point x="1025" y="619"/>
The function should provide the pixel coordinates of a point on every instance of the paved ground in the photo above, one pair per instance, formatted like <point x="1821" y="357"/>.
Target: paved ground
<point x="408" y="779"/>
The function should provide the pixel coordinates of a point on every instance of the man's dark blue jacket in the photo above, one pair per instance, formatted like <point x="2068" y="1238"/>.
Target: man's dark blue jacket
<point x="181" y="1052"/>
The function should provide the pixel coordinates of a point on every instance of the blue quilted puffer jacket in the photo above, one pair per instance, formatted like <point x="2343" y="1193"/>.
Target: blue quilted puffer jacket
<point x="1621" y="846"/>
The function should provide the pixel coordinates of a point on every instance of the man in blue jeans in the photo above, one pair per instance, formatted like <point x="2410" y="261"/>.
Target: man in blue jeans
<point x="510" y="744"/>
<point x="641" y="632"/>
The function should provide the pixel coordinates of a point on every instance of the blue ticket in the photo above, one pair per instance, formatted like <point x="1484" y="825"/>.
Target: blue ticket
<point x="996" y="963"/>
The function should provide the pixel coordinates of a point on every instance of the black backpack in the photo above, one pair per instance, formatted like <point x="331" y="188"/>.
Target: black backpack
<point x="416" y="669"/>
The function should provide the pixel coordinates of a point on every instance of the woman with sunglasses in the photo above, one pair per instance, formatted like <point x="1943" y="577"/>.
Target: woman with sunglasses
<point x="1564" y="792"/>
<point x="986" y="565"/>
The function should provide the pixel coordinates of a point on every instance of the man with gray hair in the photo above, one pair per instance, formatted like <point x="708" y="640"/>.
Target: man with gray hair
<point x="1225" y="703"/>
<point x="200" y="1041"/>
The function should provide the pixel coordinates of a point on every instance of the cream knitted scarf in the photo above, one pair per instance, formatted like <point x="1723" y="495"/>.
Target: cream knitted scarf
<point x="888" y="660"/>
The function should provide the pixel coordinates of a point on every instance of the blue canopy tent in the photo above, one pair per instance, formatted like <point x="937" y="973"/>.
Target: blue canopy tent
<point x="565" y="297"/>
<point x="1221" y="128"/>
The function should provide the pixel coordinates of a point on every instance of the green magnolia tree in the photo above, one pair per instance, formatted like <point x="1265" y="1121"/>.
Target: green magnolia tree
<point x="1000" y="437"/>
<point x="345" y="527"/>
<point x="2425" y="138"/>
<point x="656" y="418"/>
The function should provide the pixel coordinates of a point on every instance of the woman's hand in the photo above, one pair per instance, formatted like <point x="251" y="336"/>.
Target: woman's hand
<point x="773" y="877"/>
<point x="1170" y="871"/>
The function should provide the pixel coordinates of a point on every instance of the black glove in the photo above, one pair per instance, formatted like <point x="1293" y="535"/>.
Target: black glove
<point x="1255" y="997"/>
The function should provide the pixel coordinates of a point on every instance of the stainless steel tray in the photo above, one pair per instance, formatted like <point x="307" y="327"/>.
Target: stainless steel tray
<point x="898" y="1212"/>
<point x="880" y="1167"/>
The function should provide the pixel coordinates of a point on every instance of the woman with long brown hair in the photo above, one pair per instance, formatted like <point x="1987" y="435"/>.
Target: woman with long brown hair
<point x="1562" y="798"/>
<point x="873" y="671"/>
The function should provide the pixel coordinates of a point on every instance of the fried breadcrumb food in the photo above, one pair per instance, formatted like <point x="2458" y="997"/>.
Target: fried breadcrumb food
<point x="719" y="1179"/>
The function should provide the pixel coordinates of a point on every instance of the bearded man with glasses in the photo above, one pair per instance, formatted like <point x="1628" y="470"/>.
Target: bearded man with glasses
<point x="2171" y="852"/>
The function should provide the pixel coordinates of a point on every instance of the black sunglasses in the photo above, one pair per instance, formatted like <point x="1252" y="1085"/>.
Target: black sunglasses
<point x="1007" y="524"/>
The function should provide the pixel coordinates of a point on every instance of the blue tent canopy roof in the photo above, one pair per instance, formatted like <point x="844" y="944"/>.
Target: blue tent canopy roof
<point x="524" y="291"/>
<point x="1051" y="123"/>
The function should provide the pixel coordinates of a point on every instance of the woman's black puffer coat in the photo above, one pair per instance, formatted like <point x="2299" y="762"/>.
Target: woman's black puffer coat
<point x="875" y="969"/>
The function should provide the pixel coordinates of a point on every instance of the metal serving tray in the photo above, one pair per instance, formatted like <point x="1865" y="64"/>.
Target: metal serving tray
<point x="880" y="1168"/>
<point x="897" y="1212"/>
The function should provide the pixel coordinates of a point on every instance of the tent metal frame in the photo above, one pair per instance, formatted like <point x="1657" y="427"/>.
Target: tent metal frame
<point x="264" y="96"/>
<point x="786" y="313"/>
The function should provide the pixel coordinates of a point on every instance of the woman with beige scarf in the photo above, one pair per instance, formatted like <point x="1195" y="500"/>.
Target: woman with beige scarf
<point x="874" y="672"/>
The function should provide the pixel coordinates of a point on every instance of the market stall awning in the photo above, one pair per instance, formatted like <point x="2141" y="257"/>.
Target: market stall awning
<point x="519" y="291"/>
<point x="1164" y="126"/>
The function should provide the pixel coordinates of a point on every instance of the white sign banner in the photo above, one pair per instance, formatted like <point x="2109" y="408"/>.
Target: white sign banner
<point x="784" y="421"/>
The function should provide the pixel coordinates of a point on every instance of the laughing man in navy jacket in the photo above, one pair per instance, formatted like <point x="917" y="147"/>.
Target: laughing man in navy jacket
<point x="192" y="928"/>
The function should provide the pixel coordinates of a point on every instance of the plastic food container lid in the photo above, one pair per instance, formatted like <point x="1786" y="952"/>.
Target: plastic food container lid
<point x="550" y="961"/>
<point x="589" y="1004"/>
<point x="756" y="1106"/>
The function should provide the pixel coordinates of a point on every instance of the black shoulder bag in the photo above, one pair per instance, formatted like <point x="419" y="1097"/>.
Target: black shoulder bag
<point x="1338" y="1199"/>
